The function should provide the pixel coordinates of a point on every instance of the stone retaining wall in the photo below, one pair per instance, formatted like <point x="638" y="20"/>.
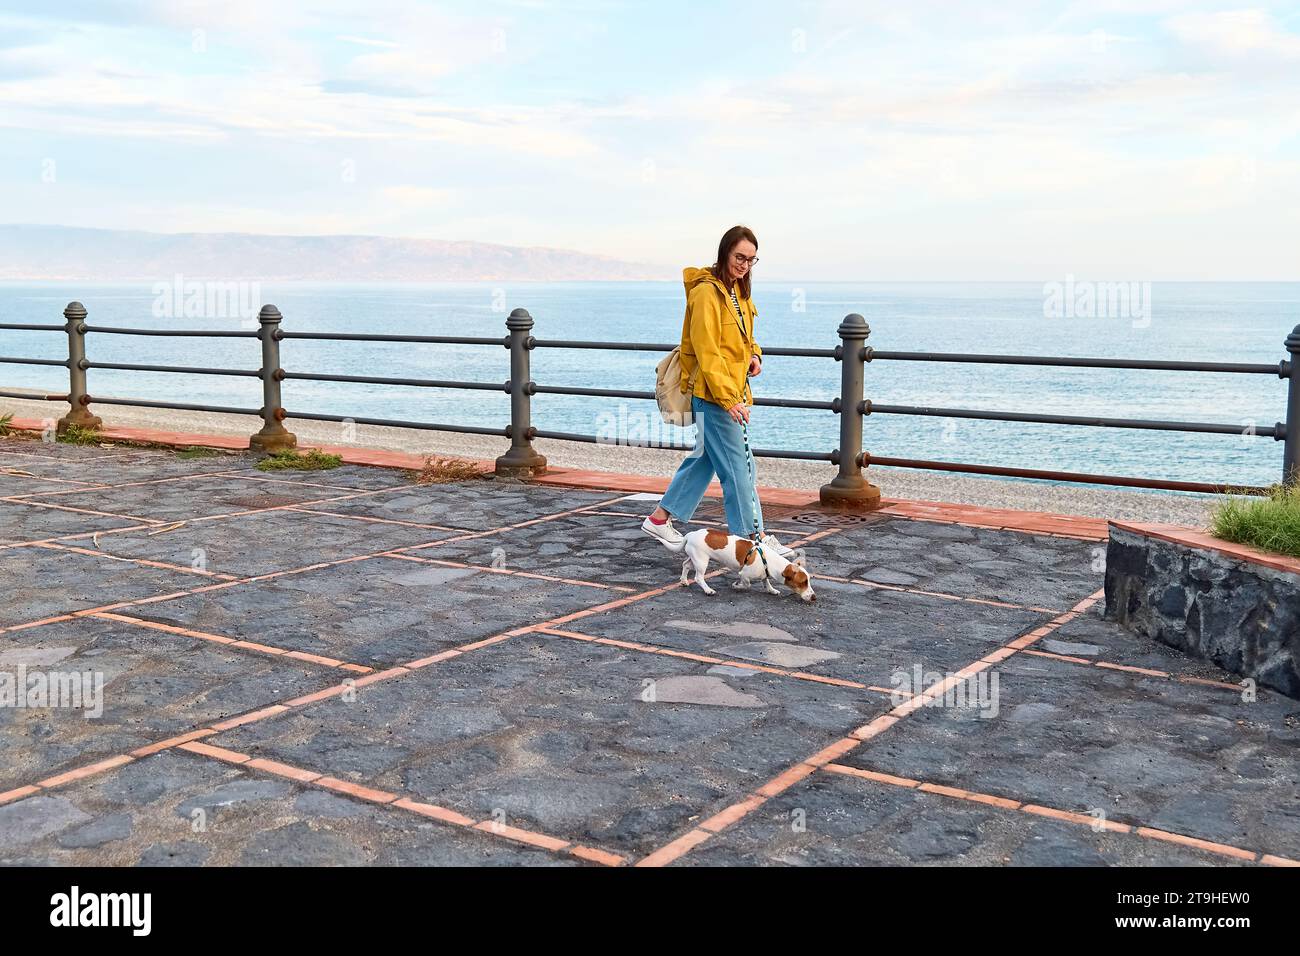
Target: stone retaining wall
<point x="1233" y="605"/>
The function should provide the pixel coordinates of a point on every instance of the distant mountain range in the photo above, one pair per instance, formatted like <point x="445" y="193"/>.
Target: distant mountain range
<point x="67" y="252"/>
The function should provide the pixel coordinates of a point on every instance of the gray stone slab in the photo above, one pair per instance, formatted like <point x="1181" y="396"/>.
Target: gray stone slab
<point x="178" y="809"/>
<point x="1143" y="750"/>
<point x="151" y="685"/>
<point x="12" y="484"/>
<point x="604" y="548"/>
<point x="480" y="504"/>
<point x="377" y="612"/>
<point x="852" y="633"/>
<point x="264" y="542"/>
<point x="1009" y="566"/>
<point x="357" y="477"/>
<point x="831" y="820"/>
<point x="194" y="497"/>
<point x="43" y="582"/>
<point x="565" y="737"/>
<point x="1117" y="645"/>
<point x="21" y="523"/>
<point x="34" y="447"/>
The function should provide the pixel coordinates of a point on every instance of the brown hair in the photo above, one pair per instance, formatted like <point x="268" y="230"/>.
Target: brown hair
<point x="730" y="239"/>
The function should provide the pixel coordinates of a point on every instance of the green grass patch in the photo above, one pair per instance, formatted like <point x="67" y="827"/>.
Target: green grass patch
<point x="79" y="435"/>
<point x="6" y="424"/>
<point x="1271" y="523"/>
<point x="288" y="459"/>
<point x="195" y="451"/>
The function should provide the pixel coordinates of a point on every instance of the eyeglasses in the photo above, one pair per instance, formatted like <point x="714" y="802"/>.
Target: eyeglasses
<point x="743" y="260"/>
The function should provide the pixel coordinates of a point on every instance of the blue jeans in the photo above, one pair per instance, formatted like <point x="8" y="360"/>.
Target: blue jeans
<point x="720" y="450"/>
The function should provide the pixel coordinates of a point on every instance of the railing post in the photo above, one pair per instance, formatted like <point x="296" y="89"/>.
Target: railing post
<point x="273" y="436"/>
<point x="1291" y="449"/>
<point x="522" y="460"/>
<point x="79" y="412"/>
<point x="849" y="489"/>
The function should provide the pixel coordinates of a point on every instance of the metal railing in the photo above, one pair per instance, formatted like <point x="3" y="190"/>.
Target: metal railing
<point x="849" y="488"/>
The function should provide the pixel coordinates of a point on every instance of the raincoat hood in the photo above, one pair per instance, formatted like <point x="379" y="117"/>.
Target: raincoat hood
<point x="716" y="342"/>
<point x="693" y="276"/>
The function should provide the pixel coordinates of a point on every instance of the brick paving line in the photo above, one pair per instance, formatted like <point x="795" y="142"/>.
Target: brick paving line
<point x="391" y="552"/>
<point x="234" y="642"/>
<point x="525" y="836"/>
<point x="156" y="522"/>
<point x="387" y="798"/>
<point x="267" y="711"/>
<point x="145" y="562"/>
<point x="988" y="602"/>
<point x="729" y="662"/>
<point x="432" y="811"/>
<point x="675" y="849"/>
<point x="315" y="484"/>
<point x="79" y="535"/>
<point x="700" y="523"/>
<point x="1066" y="816"/>
<point x="521" y="574"/>
<point x="264" y="712"/>
<point x="407" y="524"/>
<point x="67" y="461"/>
<point x="1145" y="671"/>
<point x="19" y="473"/>
<point x="260" y="712"/>
<point x="108" y="484"/>
<point x="783" y="781"/>
<point x="82" y="511"/>
<point x="238" y="582"/>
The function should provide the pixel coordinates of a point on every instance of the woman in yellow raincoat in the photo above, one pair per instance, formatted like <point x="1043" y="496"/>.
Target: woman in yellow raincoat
<point x="719" y="353"/>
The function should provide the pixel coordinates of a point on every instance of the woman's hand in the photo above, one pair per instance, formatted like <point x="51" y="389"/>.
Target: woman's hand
<point x="755" y="365"/>
<point x="739" y="412"/>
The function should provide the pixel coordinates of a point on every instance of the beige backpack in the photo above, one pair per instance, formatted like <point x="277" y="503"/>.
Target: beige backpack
<point x="674" y="404"/>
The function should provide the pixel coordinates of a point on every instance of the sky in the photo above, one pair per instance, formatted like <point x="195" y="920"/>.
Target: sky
<point x="1107" y="140"/>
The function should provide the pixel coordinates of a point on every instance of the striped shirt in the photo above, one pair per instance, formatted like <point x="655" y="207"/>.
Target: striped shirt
<point x="740" y="316"/>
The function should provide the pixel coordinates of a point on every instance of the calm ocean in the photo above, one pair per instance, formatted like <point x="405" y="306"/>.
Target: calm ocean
<point x="1236" y="322"/>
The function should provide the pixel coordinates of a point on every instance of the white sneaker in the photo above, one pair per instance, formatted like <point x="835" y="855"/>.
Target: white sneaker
<point x="769" y="541"/>
<point x="665" y="532"/>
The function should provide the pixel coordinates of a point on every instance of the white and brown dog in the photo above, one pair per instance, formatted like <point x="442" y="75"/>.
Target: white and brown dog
<point x="739" y="554"/>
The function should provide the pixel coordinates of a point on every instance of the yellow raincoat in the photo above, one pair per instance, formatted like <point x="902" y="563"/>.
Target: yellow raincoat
<point x="713" y="342"/>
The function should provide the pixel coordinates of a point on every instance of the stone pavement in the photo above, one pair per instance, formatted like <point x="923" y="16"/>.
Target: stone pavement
<point x="344" y="667"/>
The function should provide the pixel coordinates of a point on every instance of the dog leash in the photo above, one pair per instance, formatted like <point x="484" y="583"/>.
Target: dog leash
<point x="753" y="498"/>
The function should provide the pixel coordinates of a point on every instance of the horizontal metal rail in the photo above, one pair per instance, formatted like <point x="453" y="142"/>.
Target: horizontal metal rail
<point x="170" y="368"/>
<point x="866" y="458"/>
<point x="180" y="333"/>
<point x="141" y="403"/>
<point x="1281" y="369"/>
<point x="535" y="389"/>
<point x="62" y="363"/>
<point x="665" y="347"/>
<point x="380" y="380"/>
<point x="522" y="460"/>
<point x="367" y="337"/>
<point x="31" y="397"/>
<point x="394" y="423"/>
<point x="1210" y="428"/>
